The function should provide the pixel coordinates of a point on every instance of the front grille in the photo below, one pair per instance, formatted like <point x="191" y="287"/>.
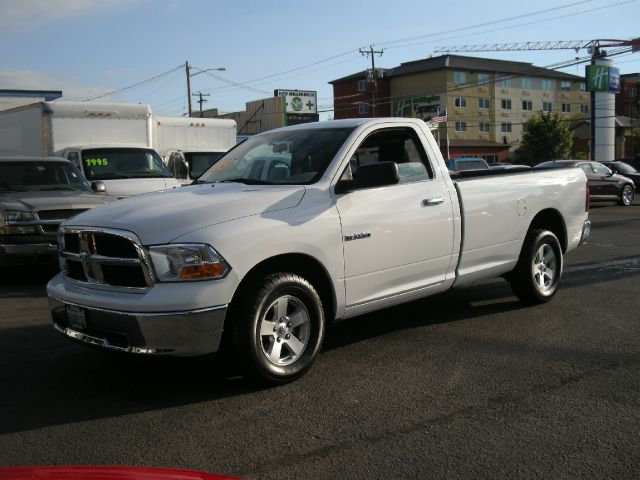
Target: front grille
<point x="59" y="214"/>
<point x="50" y="220"/>
<point x="106" y="257"/>
<point x="123" y="275"/>
<point x="74" y="270"/>
<point x="72" y="242"/>
<point x="111" y="246"/>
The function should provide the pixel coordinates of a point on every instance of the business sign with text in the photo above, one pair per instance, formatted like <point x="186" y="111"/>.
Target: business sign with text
<point x="299" y="101"/>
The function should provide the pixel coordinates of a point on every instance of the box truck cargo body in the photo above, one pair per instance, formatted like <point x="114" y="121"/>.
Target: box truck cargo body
<point x="108" y="142"/>
<point x="191" y="145"/>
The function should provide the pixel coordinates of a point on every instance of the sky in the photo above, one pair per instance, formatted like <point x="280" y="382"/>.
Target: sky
<point x="93" y="48"/>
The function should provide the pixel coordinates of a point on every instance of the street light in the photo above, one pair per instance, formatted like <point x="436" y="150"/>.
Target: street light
<point x="187" y="69"/>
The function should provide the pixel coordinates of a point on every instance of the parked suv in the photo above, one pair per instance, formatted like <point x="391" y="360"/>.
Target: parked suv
<point x="36" y="195"/>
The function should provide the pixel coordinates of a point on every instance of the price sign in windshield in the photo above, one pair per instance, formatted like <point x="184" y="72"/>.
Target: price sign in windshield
<point x="96" y="162"/>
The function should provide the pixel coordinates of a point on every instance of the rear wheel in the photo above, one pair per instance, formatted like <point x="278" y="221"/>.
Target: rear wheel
<point x="537" y="274"/>
<point x="277" y="328"/>
<point x="626" y="196"/>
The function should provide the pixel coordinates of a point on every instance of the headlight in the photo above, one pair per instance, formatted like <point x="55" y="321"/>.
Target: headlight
<point x="187" y="261"/>
<point x="10" y="223"/>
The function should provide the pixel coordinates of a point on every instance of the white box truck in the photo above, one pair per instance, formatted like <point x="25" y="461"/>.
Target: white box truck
<point x="111" y="143"/>
<point x="191" y="145"/>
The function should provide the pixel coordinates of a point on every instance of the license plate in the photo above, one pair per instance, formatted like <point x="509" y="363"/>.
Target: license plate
<point x="76" y="317"/>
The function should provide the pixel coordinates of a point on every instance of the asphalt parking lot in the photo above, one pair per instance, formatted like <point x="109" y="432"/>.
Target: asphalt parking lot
<point x="465" y="384"/>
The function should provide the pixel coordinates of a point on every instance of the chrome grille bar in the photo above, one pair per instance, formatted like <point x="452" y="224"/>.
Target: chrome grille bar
<point x="99" y="269"/>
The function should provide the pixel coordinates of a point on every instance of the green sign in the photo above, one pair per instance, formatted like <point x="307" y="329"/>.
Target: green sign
<point x="603" y="78"/>
<point x="296" y="104"/>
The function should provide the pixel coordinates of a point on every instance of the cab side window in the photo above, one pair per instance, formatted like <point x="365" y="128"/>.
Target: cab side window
<point x="587" y="168"/>
<point x="600" y="169"/>
<point x="399" y="145"/>
<point x="74" y="158"/>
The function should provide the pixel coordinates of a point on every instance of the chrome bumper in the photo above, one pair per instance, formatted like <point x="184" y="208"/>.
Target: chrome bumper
<point x="586" y="231"/>
<point x="27" y="253"/>
<point x="186" y="333"/>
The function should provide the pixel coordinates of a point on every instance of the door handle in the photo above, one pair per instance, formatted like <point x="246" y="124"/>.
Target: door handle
<point x="427" y="202"/>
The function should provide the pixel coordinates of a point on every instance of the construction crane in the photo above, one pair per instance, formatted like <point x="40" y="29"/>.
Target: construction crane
<point x="593" y="47"/>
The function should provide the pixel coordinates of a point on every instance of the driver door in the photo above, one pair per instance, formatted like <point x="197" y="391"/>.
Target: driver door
<point x="397" y="239"/>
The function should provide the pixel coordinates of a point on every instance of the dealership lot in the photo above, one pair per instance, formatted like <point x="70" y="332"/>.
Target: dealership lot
<point x="464" y="384"/>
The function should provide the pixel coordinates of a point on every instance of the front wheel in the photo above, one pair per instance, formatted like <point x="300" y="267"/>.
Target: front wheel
<point x="626" y="196"/>
<point x="277" y="328"/>
<point x="537" y="274"/>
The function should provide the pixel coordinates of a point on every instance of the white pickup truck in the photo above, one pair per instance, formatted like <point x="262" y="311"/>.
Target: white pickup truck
<point x="352" y="216"/>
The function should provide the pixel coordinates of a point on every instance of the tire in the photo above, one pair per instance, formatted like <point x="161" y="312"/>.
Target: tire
<point x="626" y="196"/>
<point x="277" y="328"/>
<point x="537" y="274"/>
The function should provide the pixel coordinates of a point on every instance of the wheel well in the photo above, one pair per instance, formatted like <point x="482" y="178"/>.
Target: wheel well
<point x="552" y="220"/>
<point x="305" y="266"/>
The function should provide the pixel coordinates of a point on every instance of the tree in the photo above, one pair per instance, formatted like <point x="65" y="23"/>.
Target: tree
<point x="546" y="137"/>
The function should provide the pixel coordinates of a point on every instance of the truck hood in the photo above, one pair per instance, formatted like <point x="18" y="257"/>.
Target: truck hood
<point x="135" y="186"/>
<point x="51" y="200"/>
<point x="163" y="216"/>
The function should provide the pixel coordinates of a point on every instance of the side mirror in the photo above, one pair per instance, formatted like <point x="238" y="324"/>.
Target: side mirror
<point x="371" y="175"/>
<point x="98" y="187"/>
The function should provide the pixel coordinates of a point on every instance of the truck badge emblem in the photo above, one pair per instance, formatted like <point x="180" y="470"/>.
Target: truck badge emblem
<point x="356" y="236"/>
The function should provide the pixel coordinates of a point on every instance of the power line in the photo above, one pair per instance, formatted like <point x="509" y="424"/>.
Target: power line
<point x="135" y="85"/>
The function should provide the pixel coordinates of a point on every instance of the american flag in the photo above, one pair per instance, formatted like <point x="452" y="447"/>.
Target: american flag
<point x="440" y="118"/>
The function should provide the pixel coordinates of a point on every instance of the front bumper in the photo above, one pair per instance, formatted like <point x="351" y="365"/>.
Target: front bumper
<point x="19" y="252"/>
<point x="183" y="333"/>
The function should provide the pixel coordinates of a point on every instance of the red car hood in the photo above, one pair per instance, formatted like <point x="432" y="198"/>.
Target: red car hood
<point x="105" y="473"/>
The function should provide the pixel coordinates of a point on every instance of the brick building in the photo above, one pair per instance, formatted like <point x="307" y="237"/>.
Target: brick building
<point x="486" y="101"/>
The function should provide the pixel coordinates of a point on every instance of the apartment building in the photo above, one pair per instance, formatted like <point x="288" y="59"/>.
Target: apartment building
<point x="486" y="101"/>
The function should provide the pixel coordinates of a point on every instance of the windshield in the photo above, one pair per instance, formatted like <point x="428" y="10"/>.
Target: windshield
<point x="39" y="176"/>
<point x="114" y="163"/>
<point x="199" y="162"/>
<point x="624" y="168"/>
<point x="553" y="165"/>
<point x="280" y="157"/>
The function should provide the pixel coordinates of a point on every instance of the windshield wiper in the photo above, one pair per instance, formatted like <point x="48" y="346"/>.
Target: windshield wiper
<point x="107" y="176"/>
<point x="148" y="175"/>
<point x="246" y="181"/>
<point x="56" y="187"/>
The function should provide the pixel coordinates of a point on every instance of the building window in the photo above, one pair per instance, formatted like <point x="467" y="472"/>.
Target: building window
<point x="527" y="83"/>
<point x="460" y="102"/>
<point x="461" y="126"/>
<point x="484" y="127"/>
<point x="633" y="92"/>
<point x="566" y="107"/>
<point x="527" y="105"/>
<point x="362" y="85"/>
<point x="548" y="85"/>
<point x="505" y="104"/>
<point x="459" y="77"/>
<point x="547" y="107"/>
<point x="505" y="82"/>
<point x="565" y="86"/>
<point x="583" y="87"/>
<point x="483" y="103"/>
<point x="584" y="108"/>
<point x="483" y="78"/>
<point x="363" y="108"/>
<point x="505" y="127"/>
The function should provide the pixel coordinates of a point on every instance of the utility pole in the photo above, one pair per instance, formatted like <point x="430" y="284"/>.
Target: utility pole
<point x="201" y="100"/>
<point x="371" y="52"/>
<point x="186" y="69"/>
